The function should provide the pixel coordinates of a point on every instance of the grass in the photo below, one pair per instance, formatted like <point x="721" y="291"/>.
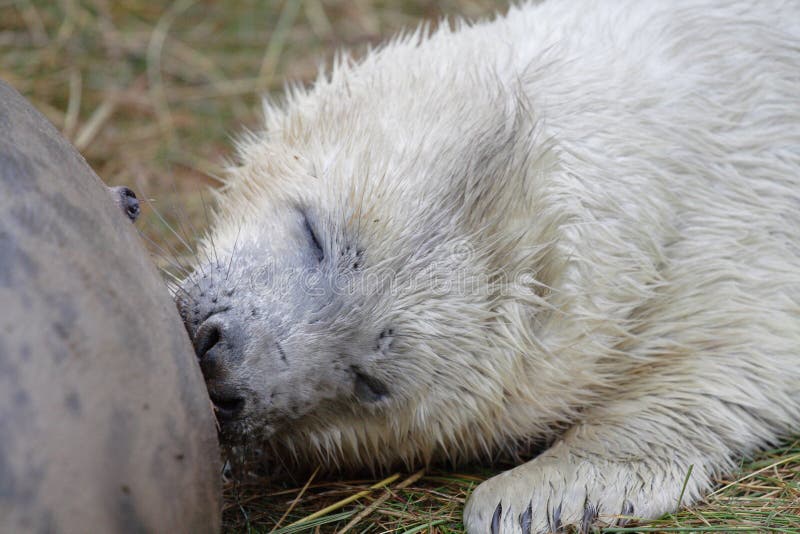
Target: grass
<point x="151" y="94"/>
<point x="764" y="496"/>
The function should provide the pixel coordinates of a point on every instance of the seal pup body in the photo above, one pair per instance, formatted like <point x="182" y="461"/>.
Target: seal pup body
<point x="576" y="224"/>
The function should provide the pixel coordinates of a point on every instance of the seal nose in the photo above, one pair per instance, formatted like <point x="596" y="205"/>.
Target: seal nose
<point x="210" y="342"/>
<point x="206" y="338"/>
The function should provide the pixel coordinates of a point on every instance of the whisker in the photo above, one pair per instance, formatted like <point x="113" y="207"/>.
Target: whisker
<point x="233" y="252"/>
<point x="182" y="217"/>
<point x="209" y="234"/>
<point x="162" y="253"/>
<point x="174" y="287"/>
<point x="163" y="220"/>
<point x="177" y="263"/>
<point x="172" y="278"/>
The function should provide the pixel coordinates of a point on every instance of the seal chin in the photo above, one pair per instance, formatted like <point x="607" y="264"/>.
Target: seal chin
<point x="230" y="403"/>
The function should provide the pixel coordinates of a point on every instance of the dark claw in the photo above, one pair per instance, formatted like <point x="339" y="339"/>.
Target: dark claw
<point x="498" y="513"/>
<point x="627" y="510"/>
<point x="589" y="516"/>
<point x="557" y="526"/>
<point x="525" y="519"/>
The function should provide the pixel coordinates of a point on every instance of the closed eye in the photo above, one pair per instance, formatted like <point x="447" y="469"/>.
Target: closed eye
<point x="316" y="247"/>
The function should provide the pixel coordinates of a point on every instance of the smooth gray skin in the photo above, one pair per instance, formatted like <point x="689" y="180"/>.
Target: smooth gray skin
<point x="105" y="423"/>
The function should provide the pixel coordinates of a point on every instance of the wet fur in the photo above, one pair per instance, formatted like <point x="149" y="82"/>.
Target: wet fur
<point x="618" y="183"/>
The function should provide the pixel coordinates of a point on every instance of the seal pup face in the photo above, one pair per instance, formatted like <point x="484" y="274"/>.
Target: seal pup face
<point x="345" y="306"/>
<point x="318" y="315"/>
<point x="283" y="324"/>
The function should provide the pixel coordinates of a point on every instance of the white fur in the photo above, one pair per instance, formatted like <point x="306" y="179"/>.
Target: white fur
<point x="630" y="173"/>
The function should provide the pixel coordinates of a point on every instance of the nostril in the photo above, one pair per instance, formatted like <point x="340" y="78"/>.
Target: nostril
<point x="207" y="336"/>
<point x="131" y="204"/>
<point x="227" y="408"/>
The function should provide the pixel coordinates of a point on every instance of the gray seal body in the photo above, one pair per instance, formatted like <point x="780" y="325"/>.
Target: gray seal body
<point x="105" y="425"/>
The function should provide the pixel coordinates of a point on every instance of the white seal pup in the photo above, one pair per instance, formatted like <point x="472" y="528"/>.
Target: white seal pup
<point x="577" y="223"/>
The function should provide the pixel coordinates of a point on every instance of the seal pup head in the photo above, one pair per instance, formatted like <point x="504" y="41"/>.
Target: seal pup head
<point x="370" y="262"/>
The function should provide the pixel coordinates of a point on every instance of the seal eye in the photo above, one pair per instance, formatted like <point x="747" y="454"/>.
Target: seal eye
<point x="368" y="388"/>
<point x="318" y="252"/>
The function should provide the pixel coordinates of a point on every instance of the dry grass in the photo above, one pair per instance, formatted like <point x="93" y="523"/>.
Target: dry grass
<point x="151" y="93"/>
<point x="763" y="497"/>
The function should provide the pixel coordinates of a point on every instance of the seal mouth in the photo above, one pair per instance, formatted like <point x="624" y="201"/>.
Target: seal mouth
<point x="227" y="407"/>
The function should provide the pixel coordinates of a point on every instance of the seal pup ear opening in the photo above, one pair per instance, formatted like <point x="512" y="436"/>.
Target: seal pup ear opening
<point x="126" y="199"/>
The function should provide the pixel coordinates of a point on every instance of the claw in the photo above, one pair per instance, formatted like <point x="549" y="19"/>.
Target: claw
<point x="627" y="510"/>
<point x="498" y="513"/>
<point x="589" y="516"/>
<point x="557" y="526"/>
<point x="525" y="519"/>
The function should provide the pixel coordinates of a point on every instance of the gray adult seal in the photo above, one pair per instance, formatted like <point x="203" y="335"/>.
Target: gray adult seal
<point x="105" y="425"/>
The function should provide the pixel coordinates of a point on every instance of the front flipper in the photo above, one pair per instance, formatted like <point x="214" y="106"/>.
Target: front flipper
<point x="559" y="490"/>
<point x="630" y="460"/>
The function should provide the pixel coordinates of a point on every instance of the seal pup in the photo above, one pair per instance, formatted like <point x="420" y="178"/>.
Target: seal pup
<point x="578" y="223"/>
